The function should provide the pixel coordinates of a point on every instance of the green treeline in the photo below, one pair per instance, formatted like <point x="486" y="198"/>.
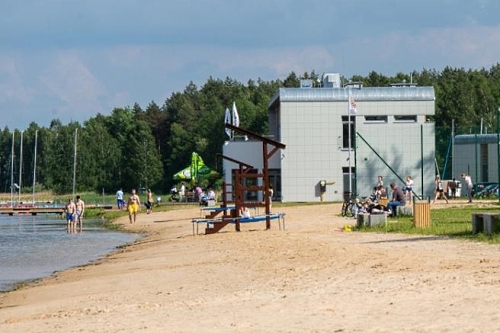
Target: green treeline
<point x="136" y="147"/>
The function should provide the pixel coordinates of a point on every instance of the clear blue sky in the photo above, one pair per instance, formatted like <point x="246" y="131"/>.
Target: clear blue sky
<point x="69" y="60"/>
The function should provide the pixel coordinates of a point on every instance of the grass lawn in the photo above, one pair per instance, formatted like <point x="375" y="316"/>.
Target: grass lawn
<point x="453" y="221"/>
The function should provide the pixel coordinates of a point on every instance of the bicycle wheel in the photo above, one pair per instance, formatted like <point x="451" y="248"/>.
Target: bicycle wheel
<point x="344" y="208"/>
<point x="349" y="210"/>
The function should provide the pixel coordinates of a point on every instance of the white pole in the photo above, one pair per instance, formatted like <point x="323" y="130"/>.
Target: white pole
<point x="20" y="167"/>
<point x="74" y="165"/>
<point x="349" y="139"/>
<point x="453" y="148"/>
<point x="34" y="167"/>
<point x="12" y="173"/>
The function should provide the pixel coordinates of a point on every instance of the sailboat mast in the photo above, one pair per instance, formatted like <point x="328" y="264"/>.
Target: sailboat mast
<point x="74" y="164"/>
<point x="20" y="167"/>
<point x="12" y="173"/>
<point x="34" y="167"/>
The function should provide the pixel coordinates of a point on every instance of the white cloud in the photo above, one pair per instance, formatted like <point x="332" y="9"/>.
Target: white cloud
<point x="12" y="86"/>
<point x="70" y="61"/>
<point x="72" y="83"/>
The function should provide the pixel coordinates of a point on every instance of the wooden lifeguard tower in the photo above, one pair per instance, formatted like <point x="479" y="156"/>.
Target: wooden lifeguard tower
<point x="234" y="193"/>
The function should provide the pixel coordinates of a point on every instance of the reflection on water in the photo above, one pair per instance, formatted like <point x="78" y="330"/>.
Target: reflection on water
<point x="32" y="247"/>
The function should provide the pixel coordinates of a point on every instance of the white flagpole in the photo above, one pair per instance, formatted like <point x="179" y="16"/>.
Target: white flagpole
<point x="20" y="168"/>
<point x="349" y="139"/>
<point x="34" y="167"/>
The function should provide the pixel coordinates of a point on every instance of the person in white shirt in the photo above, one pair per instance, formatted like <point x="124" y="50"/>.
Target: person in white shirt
<point x="468" y="184"/>
<point x="119" y="199"/>
<point x="244" y="212"/>
<point x="211" y="194"/>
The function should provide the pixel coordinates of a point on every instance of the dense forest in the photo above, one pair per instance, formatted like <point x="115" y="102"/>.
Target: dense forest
<point x="144" y="147"/>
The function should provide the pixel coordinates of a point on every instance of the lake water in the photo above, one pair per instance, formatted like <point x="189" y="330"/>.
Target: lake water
<point x="34" y="247"/>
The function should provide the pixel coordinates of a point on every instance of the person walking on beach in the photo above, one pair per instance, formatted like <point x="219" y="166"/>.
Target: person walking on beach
<point x="149" y="202"/>
<point x="439" y="189"/>
<point x="70" y="215"/>
<point x="79" y="210"/>
<point x="119" y="199"/>
<point x="133" y="206"/>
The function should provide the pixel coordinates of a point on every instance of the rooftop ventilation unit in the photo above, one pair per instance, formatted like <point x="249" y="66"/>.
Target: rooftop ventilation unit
<point x="331" y="80"/>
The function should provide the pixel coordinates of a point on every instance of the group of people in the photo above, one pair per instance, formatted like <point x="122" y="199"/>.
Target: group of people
<point x="198" y="194"/>
<point x="74" y="214"/>
<point x="372" y="204"/>
<point x="441" y="193"/>
<point x="133" y="204"/>
<point x="400" y="197"/>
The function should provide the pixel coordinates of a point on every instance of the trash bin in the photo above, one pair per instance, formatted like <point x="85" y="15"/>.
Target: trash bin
<point x="422" y="214"/>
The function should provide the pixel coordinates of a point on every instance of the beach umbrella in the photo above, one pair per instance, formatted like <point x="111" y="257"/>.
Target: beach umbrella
<point x="184" y="174"/>
<point x="196" y="170"/>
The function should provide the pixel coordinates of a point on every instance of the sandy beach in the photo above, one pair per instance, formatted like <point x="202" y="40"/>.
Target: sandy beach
<point x="311" y="277"/>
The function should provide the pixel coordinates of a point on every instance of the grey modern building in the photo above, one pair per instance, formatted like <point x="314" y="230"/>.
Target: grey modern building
<point x="390" y="136"/>
<point x="476" y="155"/>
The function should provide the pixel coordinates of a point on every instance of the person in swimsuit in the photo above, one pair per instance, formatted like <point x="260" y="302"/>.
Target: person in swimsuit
<point x="133" y="206"/>
<point x="149" y="202"/>
<point x="70" y="214"/>
<point x="80" y="209"/>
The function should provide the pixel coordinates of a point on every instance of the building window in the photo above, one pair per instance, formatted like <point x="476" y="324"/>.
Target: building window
<point x="345" y="132"/>
<point x="483" y="151"/>
<point x="405" y="119"/>
<point x="376" y="119"/>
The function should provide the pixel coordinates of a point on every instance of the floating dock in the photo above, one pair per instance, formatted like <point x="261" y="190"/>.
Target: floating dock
<point x="27" y="210"/>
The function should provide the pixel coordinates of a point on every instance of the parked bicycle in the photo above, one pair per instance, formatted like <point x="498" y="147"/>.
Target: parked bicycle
<point x="349" y="205"/>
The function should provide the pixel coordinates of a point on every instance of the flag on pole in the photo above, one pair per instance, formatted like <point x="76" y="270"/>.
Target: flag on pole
<point x="227" y="120"/>
<point x="236" y="117"/>
<point x="352" y="104"/>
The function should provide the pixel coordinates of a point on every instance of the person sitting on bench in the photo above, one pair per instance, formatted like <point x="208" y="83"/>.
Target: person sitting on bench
<point x="244" y="212"/>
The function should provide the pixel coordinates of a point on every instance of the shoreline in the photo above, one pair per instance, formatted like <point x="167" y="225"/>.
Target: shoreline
<point x="311" y="277"/>
<point x="27" y="268"/>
